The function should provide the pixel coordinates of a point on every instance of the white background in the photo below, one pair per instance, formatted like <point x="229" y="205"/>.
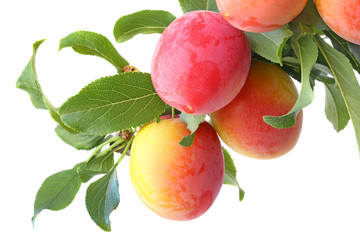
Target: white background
<point x="313" y="192"/>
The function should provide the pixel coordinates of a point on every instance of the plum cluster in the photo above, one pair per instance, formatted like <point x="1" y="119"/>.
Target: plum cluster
<point x="202" y="65"/>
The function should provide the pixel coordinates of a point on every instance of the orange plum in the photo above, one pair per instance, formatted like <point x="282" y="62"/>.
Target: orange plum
<point x="260" y="15"/>
<point x="176" y="182"/>
<point x="268" y="91"/>
<point x="342" y="16"/>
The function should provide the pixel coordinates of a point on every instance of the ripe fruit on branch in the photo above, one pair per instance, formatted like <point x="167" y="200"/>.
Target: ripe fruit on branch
<point x="200" y="62"/>
<point x="178" y="183"/>
<point x="342" y="16"/>
<point x="260" y="15"/>
<point x="267" y="91"/>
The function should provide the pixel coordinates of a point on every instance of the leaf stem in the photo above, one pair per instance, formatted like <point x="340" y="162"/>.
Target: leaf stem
<point x="120" y="147"/>
<point x="113" y="145"/>
<point x="112" y="139"/>
<point x="125" y="151"/>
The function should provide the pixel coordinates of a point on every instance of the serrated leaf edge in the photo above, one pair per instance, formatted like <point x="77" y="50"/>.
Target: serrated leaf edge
<point x="117" y="65"/>
<point x="122" y="129"/>
<point x="305" y="84"/>
<point x="36" y="213"/>
<point x="104" y="227"/>
<point x="118" y="37"/>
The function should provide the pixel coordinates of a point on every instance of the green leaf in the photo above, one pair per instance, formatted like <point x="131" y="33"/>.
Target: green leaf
<point x="270" y="44"/>
<point x="85" y="174"/>
<point x="79" y="141"/>
<point x="57" y="191"/>
<point x="293" y="72"/>
<point x="187" y="141"/>
<point x="55" y="115"/>
<point x="311" y="17"/>
<point x="28" y="81"/>
<point x="102" y="197"/>
<point x="90" y="43"/>
<point x="111" y="104"/>
<point x="342" y="46"/>
<point x="195" y="5"/>
<point x="299" y="29"/>
<point x="335" y="107"/>
<point x="346" y="81"/>
<point x="354" y="50"/>
<point x="327" y="80"/>
<point x="193" y="122"/>
<point x="230" y="173"/>
<point x="145" y="22"/>
<point x="318" y="72"/>
<point x="99" y="164"/>
<point x="294" y="62"/>
<point x="308" y="55"/>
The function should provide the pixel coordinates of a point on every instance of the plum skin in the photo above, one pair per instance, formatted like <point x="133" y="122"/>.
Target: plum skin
<point x="176" y="182"/>
<point x="267" y="91"/>
<point x="200" y="62"/>
<point x="342" y="16"/>
<point x="260" y="15"/>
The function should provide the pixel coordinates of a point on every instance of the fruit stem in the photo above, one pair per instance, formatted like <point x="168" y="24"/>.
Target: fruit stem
<point x="172" y="112"/>
<point x="125" y="150"/>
